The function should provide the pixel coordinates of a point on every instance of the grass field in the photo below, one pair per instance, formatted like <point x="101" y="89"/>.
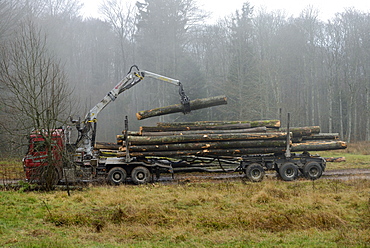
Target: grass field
<point x="273" y="213"/>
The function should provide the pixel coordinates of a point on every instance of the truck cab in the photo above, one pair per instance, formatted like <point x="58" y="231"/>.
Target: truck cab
<point x="36" y="159"/>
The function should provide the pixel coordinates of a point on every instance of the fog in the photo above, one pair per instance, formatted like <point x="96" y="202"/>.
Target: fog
<point x="263" y="61"/>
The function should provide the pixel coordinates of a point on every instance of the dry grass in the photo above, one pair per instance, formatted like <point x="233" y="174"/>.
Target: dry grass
<point x="11" y="169"/>
<point x="272" y="213"/>
<point x="359" y="148"/>
<point x="356" y="156"/>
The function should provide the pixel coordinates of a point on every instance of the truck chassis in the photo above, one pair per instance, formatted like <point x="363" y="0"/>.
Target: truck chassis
<point x="288" y="168"/>
<point x="117" y="171"/>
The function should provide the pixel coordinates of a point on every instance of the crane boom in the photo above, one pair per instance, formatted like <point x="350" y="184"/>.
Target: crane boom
<point x="87" y="133"/>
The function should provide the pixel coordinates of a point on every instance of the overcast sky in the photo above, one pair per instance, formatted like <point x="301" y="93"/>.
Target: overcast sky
<point x="327" y="8"/>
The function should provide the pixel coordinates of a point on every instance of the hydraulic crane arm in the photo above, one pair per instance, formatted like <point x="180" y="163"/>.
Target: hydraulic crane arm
<point x="131" y="79"/>
<point x="87" y="134"/>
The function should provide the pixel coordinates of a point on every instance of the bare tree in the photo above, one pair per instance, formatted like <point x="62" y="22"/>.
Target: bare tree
<point x="122" y="19"/>
<point x="9" y="17"/>
<point x="35" y="97"/>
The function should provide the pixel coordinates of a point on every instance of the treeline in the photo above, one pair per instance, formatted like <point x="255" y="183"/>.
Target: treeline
<point x="319" y="71"/>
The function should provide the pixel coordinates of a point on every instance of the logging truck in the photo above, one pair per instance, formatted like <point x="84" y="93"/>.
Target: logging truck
<point x="242" y="148"/>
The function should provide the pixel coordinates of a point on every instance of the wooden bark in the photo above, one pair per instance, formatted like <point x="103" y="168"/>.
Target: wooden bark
<point x="322" y="136"/>
<point x="209" y="145"/>
<point x="132" y="133"/>
<point x="194" y="105"/>
<point x="302" y="131"/>
<point x="207" y="152"/>
<point x="259" y="123"/>
<point x="109" y="153"/>
<point x="309" y="146"/>
<point x="318" y="146"/>
<point x="155" y="140"/>
<point x="186" y="126"/>
<point x="106" y="145"/>
<point x="335" y="159"/>
<point x="248" y="130"/>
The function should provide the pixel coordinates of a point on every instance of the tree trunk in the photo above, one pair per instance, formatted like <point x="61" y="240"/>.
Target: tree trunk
<point x="335" y="159"/>
<point x="322" y="136"/>
<point x="185" y="126"/>
<point x="299" y="147"/>
<point x="303" y="131"/>
<point x="106" y="145"/>
<point x="259" y="123"/>
<point x="208" y="152"/>
<point x="249" y="130"/>
<point x="155" y="140"/>
<point x="177" y="108"/>
<point x="318" y="146"/>
<point x="209" y="145"/>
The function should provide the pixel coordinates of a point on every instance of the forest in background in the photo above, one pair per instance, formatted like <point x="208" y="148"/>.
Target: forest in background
<point x="319" y="71"/>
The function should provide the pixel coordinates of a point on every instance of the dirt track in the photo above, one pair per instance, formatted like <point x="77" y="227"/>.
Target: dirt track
<point x="346" y="174"/>
<point x="343" y="174"/>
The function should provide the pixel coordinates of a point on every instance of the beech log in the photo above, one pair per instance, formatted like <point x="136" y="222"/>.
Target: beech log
<point x="248" y="130"/>
<point x="106" y="145"/>
<point x="337" y="159"/>
<point x="194" y="105"/>
<point x="318" y="146"/>
<point x="302" y="131"/>
<point x="186" y="126"/>
<point x="259" y="123"/>
<point x="207" y="152"/>
<point x="155" y="140"/>
<point x="322" y="136"/>
<point x="209" y="145"/>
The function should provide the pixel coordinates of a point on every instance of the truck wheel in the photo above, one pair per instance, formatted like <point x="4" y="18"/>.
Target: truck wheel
<point x="312" y="170"/>
<point x="116" y="176"/>
<point x="140" y="175"/>
<point x="288" y="171"/>
<point x="255" y="172"/>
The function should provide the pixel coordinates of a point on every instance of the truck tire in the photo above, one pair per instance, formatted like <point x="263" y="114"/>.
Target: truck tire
<point x="288" y="171"/>
<point x="116" y="176"/>
<point x="255" y="172"/>
<point x="140" y="175"/>
<point x="312" y="170"/>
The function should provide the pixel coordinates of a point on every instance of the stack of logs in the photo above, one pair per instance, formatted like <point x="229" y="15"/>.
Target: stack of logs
<point x="221" y="138"/>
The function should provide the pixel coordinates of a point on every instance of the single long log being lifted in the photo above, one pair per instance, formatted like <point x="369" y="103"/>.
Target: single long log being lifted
<point x="209" y="145"/>
<point x="177" y="108"/>
<point x="155" y="140"/>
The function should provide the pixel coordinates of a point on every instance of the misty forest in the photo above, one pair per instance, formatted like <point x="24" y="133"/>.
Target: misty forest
<point x="56" y="63"/>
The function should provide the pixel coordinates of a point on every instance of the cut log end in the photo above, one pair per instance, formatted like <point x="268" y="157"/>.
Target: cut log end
<point x="138" y="116"/>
